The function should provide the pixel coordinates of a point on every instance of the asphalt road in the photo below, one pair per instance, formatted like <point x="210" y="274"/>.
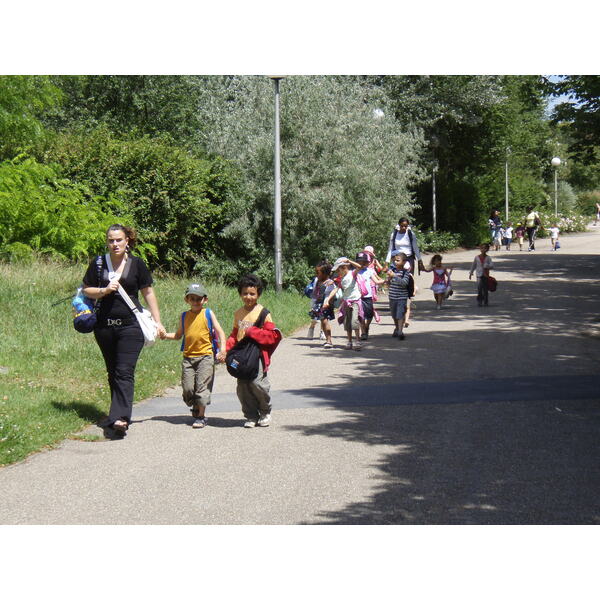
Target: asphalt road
<point x="481" y="416"/>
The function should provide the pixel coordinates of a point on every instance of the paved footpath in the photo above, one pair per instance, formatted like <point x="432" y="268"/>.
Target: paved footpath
<point x="481" y="416"/>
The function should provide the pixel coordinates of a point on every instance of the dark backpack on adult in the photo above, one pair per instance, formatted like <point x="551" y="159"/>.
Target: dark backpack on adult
<point x="411" y="285"/>
<point x="243" y="360"/>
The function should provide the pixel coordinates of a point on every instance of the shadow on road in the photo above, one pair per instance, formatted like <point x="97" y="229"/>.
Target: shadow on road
<point x="510" y="461"/>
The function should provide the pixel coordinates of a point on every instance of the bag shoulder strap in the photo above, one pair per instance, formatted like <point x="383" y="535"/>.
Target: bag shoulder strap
<point x="261" y="318"/>
<point x="211" y="331"/>
<point x="183" y="330"/>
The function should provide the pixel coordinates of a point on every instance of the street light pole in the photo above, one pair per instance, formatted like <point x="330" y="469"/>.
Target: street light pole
<point x="555" y="164"/>
<point x="277" y="177"/>
<point x="433" y="199"/>
<point x="506" y="186"/>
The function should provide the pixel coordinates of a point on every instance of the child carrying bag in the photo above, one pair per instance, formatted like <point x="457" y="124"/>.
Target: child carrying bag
<point x="243" y="360"/>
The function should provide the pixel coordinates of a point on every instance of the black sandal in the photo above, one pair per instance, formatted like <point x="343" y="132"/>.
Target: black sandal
<point x="120" y="428"/>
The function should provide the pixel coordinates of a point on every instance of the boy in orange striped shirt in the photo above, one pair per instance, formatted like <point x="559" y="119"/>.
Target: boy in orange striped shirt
<point x="198" y="326"/>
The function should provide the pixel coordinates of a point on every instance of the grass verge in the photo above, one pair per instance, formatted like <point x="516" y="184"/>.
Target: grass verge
<point x="52" y="379"/>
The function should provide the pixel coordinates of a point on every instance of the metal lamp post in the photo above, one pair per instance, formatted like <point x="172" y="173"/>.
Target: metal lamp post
<point x="506" y="186"/>
<point x="433" y="198"/>
<point x="277" y="177"/>
<point x="556" y="164"/>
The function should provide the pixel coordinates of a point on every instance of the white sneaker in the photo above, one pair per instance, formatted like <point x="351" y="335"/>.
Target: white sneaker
<point x="264" y="421"/>
<point x="249" y="424"/>
<point x="199" y="423"/>
<point x="322" y="336"/>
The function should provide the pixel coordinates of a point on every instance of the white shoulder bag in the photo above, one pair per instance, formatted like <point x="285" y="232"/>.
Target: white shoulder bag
<point x="147" y="323"/>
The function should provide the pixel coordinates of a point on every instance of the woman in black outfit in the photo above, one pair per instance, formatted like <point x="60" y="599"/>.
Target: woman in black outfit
<point x="118" y="333"/>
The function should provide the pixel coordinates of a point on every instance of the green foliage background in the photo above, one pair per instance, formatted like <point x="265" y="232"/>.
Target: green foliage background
<point x="188" y="161"/>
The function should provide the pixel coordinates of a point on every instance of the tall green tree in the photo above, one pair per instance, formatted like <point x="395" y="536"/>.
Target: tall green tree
<point x="347" y="166"/>
<point x="149" y="104"/>
<point x="581" y="114"/>
<point x="23" y="98"/>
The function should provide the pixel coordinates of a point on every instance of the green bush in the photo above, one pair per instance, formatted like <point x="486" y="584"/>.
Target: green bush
<point x="44" y="214"/>
<point x="438" y="241"/>
<point x="176" y="200"/>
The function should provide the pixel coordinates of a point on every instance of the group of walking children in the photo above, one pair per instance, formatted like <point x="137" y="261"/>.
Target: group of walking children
<point x="247" y="352"/>
<point x="351" y="287"/>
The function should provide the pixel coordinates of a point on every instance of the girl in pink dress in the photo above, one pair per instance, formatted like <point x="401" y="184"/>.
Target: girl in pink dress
<point x="441" y="279"/>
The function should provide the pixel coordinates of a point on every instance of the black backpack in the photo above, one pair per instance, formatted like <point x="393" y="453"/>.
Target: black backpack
<point x="243" y="360"/>
<point x="411" y="285"/>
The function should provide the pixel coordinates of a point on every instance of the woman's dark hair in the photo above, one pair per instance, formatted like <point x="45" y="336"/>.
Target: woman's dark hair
<point x="325" y="268"/>
<point x="129" y="232"/>
<point x="251" y="280"/>
<point x="492" y="214"/>
<point x="529" y="208"/>
<point x="403" y="219"/>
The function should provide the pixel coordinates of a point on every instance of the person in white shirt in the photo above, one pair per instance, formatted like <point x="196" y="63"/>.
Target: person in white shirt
<point x="508" y="235"/>
<point x="554" y="233"/>
<point x="404" y="240"/>
<point x="481" y="266"/>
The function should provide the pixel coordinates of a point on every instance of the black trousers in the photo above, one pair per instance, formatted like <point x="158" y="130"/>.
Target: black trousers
<point x="531" y="231"/>
<point x="121" y="347"/>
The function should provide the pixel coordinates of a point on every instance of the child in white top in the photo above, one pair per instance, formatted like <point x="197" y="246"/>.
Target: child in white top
<point x="481" y="266"/>
<point x="351" y="307"/>
<point x="554" y="233"/>
<point x="508" y="235"/>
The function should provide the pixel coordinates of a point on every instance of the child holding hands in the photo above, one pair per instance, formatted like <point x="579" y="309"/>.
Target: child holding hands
<point x="254" y="395"/>
<point x="197" y="327"/>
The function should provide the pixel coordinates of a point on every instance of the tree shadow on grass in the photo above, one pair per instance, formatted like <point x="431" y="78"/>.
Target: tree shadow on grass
<point x="85" y="411"/>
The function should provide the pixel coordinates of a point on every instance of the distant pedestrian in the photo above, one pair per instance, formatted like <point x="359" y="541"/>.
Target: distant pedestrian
<point x="520" y="235"/>
<point x="399" y="278"/>
<point x="254" y="395"/>
<point x="597" y="213"/>
<point x="441" y="279"/>
<point x="532" y="222"/>
<point x="495" y="224"/>
<point x="554" y="234"/>
<point x="507" y="235"/>
<point x="481" y="267"/>
<point x="203" y="341"/>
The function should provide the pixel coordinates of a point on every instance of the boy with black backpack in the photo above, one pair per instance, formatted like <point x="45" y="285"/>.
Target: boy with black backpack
<point x="203" y="341"/>
<point x="250" y="345"/>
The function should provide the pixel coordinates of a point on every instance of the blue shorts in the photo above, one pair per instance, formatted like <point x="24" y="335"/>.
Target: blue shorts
<point x="398" y="308"/>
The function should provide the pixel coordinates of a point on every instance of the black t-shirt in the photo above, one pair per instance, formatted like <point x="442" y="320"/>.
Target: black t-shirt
<point x="135" y="278"/>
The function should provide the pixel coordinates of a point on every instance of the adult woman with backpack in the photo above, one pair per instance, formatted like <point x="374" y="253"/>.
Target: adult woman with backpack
<point x="404" y="240"/>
